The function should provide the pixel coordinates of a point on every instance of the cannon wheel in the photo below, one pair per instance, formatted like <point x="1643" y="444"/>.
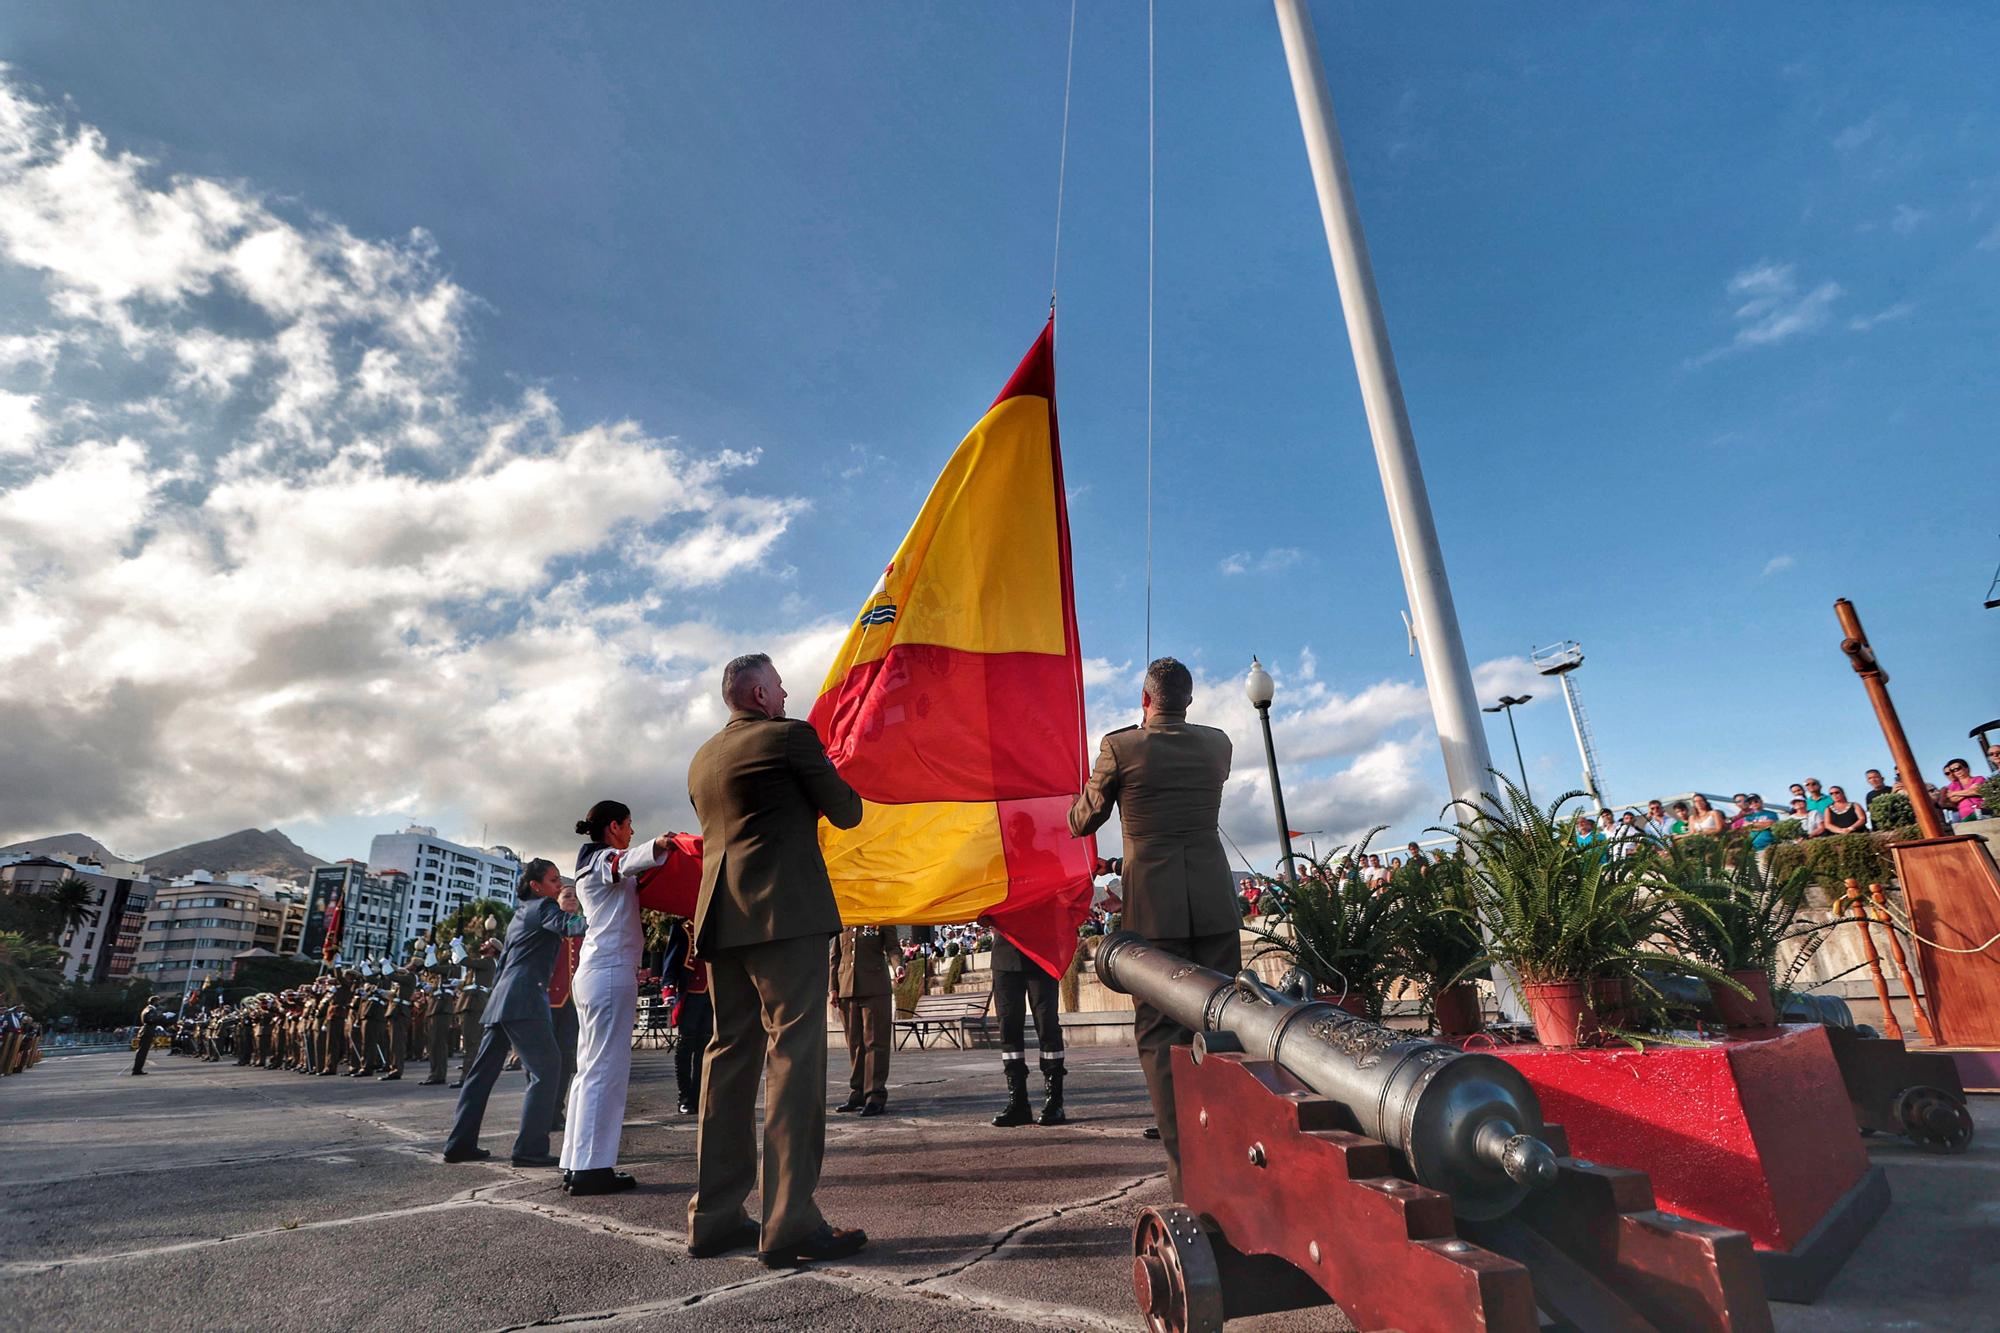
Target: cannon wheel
<point x="1174" y="1273"/>
<point x="1934" y="1120"/>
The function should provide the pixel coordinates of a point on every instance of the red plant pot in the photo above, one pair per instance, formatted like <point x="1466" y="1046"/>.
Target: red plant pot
<point x="1735" y="1011"/>
<point x="1562" y="1013"/>
<point x="1457" y="1010"/>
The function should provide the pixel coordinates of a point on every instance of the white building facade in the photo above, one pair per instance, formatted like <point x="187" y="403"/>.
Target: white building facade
<point x="443" y="875"/>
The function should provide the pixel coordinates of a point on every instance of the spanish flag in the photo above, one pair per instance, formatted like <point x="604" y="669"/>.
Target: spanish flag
<point x="955" y="707"/>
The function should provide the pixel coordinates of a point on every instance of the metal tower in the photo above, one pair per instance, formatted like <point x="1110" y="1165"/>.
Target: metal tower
<point x="1559" y="660"/>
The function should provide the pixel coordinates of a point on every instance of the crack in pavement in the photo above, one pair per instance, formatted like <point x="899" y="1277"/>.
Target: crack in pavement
<point x="33" y="1268"/>
<point x="248" y="1159"/>
<point x="1002" y="1239"/>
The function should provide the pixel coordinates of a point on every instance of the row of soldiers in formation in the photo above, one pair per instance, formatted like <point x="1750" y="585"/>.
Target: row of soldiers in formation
<point x="20" y="1041"/>
<point x="357" y="1021"/>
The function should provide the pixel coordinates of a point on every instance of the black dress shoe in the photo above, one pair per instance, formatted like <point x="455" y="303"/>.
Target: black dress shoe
<point x="599" y="1180"/>
<point x="431" y="1083"/>
<point x="825" y="1243"/>
<point x="873" y="1108"/>
<point x="388" y="1078"/>
<point x="456" y="1083"/>
<point x="1151" y="1132"/>
<point x="851" y="1104"/>
<point x="689" y="1108"/>
<point x="741" y="1236"/>
<point x="543" y="1160"/>
<point x="470" y="1155"/>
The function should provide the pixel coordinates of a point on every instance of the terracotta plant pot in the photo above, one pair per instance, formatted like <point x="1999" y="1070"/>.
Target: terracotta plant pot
<point x="1737" y="1012"/>
<point x="1611" y="998"/>
<point x="1457" y="1010"/>
<point x="1562" y="1013"/>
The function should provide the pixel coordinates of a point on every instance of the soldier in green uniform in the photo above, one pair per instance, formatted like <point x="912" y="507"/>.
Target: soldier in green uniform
<point x="396" y="1016"/>
<point x="864" y="988"/>
<point x="443" y="1022"/>
<point x="474" y="987"/>
<point x="359" y="1058"/>
<point x="333" y="1024"/>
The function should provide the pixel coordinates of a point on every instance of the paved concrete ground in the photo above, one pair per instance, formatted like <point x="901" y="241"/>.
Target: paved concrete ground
<point x="214" y="1197"/>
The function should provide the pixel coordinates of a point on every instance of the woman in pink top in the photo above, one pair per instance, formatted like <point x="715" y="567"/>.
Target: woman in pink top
<point x="1961" y="790"/>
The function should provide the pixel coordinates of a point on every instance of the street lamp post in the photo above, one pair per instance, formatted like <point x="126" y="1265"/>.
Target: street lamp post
<point x="1260" y="690"/>
<point x="1506" y="705"/>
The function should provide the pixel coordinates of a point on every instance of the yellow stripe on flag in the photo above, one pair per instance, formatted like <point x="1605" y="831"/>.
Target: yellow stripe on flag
<point x="981" y="568"/>
<point x="934" y="861"/>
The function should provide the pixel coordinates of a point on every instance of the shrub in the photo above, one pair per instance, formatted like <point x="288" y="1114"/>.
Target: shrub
<point x="954" y="972"/>
<point x="1831" y="862"/>
<point x="1344" y="934"/>
<point x="1788" y="830"/>
<point x="1892" y="809"/>
<point x="1989" y="797"/>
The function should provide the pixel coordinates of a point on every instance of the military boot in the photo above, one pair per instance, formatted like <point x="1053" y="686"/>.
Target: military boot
<point x="1016" y="1112"/>
<point x="1052" y="1094"/>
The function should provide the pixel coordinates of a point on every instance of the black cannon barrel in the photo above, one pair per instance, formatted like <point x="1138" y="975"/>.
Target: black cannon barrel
<point x="1465" y="1124"/>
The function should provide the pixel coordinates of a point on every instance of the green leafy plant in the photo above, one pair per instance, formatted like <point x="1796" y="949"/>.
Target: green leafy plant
<point x="1830" y="862"/>
<point x="1733" y="913"/>
<point x="1556" y="911"/>
<point x="1892" y="809"/>
<point x="1989" y="798"/>
<point x="1439" y="941"/>
<point x="910" y="988"/>
<point x="954" y="971"/>
<point x="30" y="972"/>
<point x="1788" y="830"/>
<point x="1344" y="934"/>
<point x="73" y="898"/>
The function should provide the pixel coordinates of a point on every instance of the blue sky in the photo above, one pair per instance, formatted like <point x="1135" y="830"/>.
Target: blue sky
<point x="1695" y="310"/>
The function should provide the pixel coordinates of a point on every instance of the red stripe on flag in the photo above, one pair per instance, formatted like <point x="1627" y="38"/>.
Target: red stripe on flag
<point x="1048" y="871"/>
<point x="929" y="723"/>
<point x="1036" y="374"/>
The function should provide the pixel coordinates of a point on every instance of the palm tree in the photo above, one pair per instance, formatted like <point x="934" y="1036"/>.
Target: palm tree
<point x="73" y="898"/>
<point x="30" y="971"/>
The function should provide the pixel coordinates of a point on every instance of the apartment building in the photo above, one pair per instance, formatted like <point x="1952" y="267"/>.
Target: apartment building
<point x="102" y="947"/>
<point x="196" y="926"/>
<point x="443" y="875"/>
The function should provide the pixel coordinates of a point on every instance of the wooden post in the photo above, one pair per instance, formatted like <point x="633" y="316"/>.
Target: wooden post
<point x="1890" y="1025"/>
<point x="1924" y="1024"/>
<point x="1876" y="681"/>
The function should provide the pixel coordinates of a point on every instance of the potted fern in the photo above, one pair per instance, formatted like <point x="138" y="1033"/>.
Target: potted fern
<point x="1733" y="913"/>
<point x="1562" y="915"/>
<point x="1440" y="944"/>
<point x="1345" y="935"/>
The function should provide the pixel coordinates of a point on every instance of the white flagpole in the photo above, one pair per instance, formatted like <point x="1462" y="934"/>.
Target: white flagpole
<point x="1447" y="672"/>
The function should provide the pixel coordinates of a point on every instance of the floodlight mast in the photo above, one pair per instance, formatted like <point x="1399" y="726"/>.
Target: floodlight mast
<point x="1559" y="660"/>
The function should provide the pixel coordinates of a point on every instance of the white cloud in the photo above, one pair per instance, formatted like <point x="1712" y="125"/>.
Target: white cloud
<point x="1886" y="315"/>
<point x="287" y="573"/>
<point x="1991" y="240"/>
<point x="1778" y="564"/>
<point x="1858" y="135"/>
<point x="1272" y="561"/>
<point x="1907" y="219"/>
<point x="21" y="426"/>
<point x="1772" y="307"/>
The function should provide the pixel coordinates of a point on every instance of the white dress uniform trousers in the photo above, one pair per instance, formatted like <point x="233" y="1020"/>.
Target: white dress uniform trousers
<point x="606" y="993"/>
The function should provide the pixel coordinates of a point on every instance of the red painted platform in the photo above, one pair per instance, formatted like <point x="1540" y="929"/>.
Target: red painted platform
<point x="1754" y="1134"/>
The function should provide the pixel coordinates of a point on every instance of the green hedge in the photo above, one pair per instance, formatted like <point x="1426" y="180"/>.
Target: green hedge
<point x="1833" y="861"/>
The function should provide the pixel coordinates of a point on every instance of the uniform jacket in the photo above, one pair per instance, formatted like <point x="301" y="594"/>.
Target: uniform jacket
<point x="760" y="786"/>
<point x="564" y="976"/>
<point x="1166" y="779"/>
<point x="680" y="965"/>
<point x="527" y="959"/>
<point x="859" y="961"/>
<point x="479" y="970"/>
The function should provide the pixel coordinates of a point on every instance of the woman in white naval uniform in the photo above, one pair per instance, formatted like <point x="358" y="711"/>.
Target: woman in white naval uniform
<point x="606" y="990"/>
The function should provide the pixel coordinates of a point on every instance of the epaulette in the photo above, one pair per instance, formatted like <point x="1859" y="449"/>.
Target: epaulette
<point x="1122" y="730"/>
